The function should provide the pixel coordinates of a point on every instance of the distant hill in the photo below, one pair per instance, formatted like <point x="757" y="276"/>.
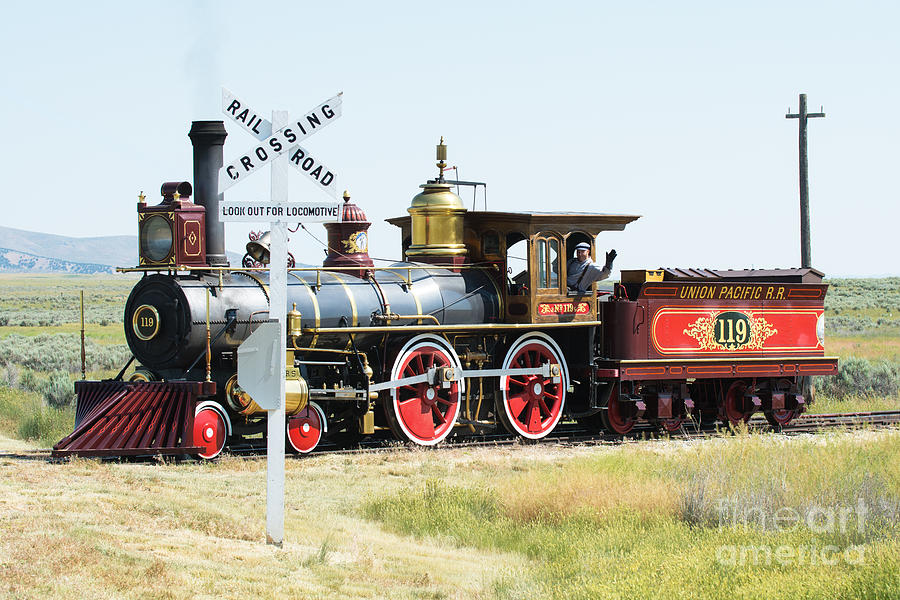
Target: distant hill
<point x="13" y="261"/>
<point x="114" y="250"/>
<point x="32" y="252"/>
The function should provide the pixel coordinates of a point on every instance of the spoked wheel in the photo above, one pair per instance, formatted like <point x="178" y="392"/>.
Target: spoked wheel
<point x="423" y="413"/>
<point x="305" y="429"/>
<point x="210" y="432"/>
<point x="780" y="418"/>
<point x="618" y="416"/>
<point x="533" y="404"/>
<point x="733" y="406"/>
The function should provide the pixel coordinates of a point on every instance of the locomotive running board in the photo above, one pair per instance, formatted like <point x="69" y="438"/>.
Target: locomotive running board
<point x="705" y="368"/>
<point x="115" y="418"/>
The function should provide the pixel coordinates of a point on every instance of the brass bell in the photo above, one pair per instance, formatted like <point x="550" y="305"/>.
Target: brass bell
<point x="259" y="249"/>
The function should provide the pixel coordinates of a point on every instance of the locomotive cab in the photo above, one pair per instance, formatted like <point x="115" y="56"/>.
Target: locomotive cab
<point x="496" y="241"/>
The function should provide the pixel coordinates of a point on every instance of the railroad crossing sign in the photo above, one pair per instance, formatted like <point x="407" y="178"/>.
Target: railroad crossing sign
<point x="279" y="146"/>
<point x="284" y="140"/>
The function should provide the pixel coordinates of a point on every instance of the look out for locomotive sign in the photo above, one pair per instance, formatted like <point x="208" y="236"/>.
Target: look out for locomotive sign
<point x="285" y="212"/>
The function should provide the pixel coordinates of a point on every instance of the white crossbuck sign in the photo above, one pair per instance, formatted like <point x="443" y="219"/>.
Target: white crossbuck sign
<point x="279" y="144"/>
<point x="285" y="140"/>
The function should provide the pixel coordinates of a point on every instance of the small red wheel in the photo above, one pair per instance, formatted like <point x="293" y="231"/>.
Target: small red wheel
<point x="533" y="404"/>
<point x="671" y="425"/>
<point x="780" y="418"/>
<point x="210" y="432"/>
<point x="423" y="413"/>
<point x="304" y="430"/>
<point x="619" y="416"/>
<point x="733" y="406"/>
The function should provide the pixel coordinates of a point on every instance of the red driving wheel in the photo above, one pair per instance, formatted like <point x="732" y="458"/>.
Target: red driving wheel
<point x="533" y="403"/>
<point x="423" y="413"/>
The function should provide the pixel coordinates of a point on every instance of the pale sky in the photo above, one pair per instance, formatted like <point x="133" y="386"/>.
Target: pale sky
<point x="673" y="111"/>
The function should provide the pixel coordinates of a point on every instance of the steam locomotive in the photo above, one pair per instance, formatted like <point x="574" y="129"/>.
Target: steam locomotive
<point x="448" y="342"/>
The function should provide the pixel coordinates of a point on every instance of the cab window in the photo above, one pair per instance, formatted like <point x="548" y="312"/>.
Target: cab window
<point x="547" y="258"/>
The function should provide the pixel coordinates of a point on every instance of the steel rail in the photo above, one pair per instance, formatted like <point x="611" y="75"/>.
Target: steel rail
<point x="565" y="435"/>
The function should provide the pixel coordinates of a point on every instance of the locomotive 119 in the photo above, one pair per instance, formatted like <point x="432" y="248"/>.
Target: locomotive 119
<point x="451" y="341"/>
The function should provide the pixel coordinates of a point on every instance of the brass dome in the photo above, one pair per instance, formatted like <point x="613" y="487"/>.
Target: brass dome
<point x="437" y="224"/>
<point x="436" y="195"/>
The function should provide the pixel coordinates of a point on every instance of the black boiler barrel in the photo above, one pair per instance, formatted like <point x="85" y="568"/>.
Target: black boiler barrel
<point x="333" y="299"/>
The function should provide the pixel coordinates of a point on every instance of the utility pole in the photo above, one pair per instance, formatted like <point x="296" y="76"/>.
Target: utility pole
<point x="802" y="116"/>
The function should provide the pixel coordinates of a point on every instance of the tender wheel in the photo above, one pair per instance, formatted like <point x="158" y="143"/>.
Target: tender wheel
<point x="618" y="416"/>
<point x="671" y="425"/>
<point x="733" y="408"/>
<point x="780" y="418"/>
<point x="423" y="413"/>
<point x="533" y="404"/>
<point x="305" y="429"/>
<point x="210" y="432"/>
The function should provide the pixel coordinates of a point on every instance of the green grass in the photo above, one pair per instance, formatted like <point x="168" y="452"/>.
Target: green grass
<point x="24" y="415"/>
<point x="863" y="308"/>
<point x="105" y="335"/>
<point x="643" y="523"/>
<point x="828" y="404"/>
<point x="49" y="301"/>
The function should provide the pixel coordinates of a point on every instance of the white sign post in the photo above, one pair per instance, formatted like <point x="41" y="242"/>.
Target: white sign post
<point x="280" y="147"/>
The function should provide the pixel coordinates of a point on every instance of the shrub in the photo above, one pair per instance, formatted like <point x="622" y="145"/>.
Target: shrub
<point x="48" y="352"/>
<point x="60" y="392"/>
<point x="11" y="374"/>
<point x="34" y="382"/>
<point x="46" y="425"/>
<point x="860" y="377"/>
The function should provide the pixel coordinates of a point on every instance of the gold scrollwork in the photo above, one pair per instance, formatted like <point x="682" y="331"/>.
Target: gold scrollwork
<point x="703" y="330"/>
<point x="357" y="243"/>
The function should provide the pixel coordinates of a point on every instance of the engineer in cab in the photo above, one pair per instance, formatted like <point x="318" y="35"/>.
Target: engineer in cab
<point x="581" y="271"/>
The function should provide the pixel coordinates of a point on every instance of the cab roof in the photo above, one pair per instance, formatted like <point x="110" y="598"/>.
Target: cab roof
<point x="530" y="223"/>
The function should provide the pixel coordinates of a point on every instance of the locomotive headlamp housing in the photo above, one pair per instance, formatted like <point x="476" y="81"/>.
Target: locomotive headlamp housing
<point x="156" y="238"/>
<point x="173" y="232"/>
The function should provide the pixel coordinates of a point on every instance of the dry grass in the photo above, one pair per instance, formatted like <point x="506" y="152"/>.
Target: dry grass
<point x="526" y="521"/>
<point x="193" y="531"/>
<point x="581" y="489"/>
<point x="718" y="496"/>
<point x="868" y="347"/>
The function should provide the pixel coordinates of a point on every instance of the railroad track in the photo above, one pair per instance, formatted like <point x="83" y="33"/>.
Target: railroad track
<point x="566" y="435"/>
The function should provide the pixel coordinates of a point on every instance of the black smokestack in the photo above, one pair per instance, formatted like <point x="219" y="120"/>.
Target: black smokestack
<point x="208" y="137"/>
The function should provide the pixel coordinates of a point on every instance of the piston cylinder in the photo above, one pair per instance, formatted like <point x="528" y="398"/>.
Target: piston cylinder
<point x="296" y="396"/>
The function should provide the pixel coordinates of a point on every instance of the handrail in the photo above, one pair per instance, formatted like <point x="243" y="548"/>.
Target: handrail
<point x="292" y="269"/>
<point x="317" y="270"/>
<point x="439" y="328"/>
